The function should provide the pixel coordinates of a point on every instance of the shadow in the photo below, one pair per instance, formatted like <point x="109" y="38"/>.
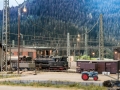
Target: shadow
<point x="91" y="79"/>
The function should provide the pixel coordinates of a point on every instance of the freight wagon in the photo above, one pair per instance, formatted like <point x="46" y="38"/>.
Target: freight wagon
<point x="111" y="66"/>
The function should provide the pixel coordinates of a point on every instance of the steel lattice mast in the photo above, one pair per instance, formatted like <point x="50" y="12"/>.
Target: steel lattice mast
<point x="101" y="39"/>
<point x="5" y="35"/>
<point x="68" y="48"/>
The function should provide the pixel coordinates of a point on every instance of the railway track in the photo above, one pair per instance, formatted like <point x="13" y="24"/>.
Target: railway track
<point x="67" y="71"/>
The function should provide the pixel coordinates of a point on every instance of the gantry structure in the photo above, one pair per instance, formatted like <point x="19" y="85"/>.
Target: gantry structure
<point x="5" y="36"/>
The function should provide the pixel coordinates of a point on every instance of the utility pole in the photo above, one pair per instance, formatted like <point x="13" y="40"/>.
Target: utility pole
<point x="21" y="40"/>
<point x="5" y="35"/>
<point x="86" y="40"/>
<point x="101" y="39"/>
<point x="74" y="51"/>
<point x="19" y="14"/>
<point x="1" y="34"/>
<point x="68" y="47"/>
<point x="78" y="44"/>
<point x="68" y="44"/>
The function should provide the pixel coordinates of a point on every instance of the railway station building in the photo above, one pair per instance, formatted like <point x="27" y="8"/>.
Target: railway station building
<point x="33" y="52"/>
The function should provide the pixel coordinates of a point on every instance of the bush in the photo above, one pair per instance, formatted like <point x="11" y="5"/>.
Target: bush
<point x="85" y="57"/>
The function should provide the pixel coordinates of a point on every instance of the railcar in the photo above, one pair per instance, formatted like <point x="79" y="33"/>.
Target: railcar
<point x="25" y="62"/>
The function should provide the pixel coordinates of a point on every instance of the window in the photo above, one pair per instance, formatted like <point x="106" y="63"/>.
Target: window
<point x="30" y="54"/>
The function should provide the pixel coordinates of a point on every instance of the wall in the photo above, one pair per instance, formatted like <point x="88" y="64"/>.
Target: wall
<point x="73" y="65"/>
<point x="24" y="52"/>
<point x="35" y="52"/>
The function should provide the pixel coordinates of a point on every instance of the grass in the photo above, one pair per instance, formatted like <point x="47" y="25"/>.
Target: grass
<point x="75" y="86"/>
<point x="8" y="76"/>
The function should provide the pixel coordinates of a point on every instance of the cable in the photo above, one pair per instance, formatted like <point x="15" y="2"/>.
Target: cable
<point x="93" y="26"/>
<point x="17" y="2"/>
<point x="53" y="37"/>
<point x="56" y="33"/>
<point x="35" y="24"/>
<point x="49" y="31"/>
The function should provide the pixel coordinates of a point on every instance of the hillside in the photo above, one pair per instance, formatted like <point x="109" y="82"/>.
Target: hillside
<point x="54" y="18"/>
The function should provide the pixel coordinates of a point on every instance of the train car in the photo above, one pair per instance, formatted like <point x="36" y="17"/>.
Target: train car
<point x="25" y="62"/>
<point x="52" y="63"/>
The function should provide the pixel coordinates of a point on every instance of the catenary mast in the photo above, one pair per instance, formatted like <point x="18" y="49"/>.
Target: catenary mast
<point x="5" y="36"/>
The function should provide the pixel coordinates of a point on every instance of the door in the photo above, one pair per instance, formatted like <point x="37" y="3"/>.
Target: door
<point x="101" y="67"/>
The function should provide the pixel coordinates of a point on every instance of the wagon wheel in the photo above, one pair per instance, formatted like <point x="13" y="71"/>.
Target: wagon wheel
<point x="85" y="76"/>
<point x="95" y="78"/>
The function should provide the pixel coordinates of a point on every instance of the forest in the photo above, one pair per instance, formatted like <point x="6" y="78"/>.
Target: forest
<point x="49" y="21"/>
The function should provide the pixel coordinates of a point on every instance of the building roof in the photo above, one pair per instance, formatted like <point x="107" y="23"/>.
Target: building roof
<point x="34" y="47"/>
<point x="98" y="60"/>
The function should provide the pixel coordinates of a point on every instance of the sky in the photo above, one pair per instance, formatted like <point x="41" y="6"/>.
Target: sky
<point x="11" y="3"/>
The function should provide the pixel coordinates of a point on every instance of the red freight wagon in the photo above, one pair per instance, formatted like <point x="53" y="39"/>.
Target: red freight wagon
<point x="99" y="65"/>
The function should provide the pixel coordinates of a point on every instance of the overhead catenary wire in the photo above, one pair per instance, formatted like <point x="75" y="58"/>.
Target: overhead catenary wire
<point x="35" y="24"/>
<point x="16" y="2"/>
<point x="59" y="34"/>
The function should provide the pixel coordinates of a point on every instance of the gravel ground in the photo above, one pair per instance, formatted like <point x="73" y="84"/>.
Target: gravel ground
<point x="52" y="76"/>
<point x="61" y="76"/>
